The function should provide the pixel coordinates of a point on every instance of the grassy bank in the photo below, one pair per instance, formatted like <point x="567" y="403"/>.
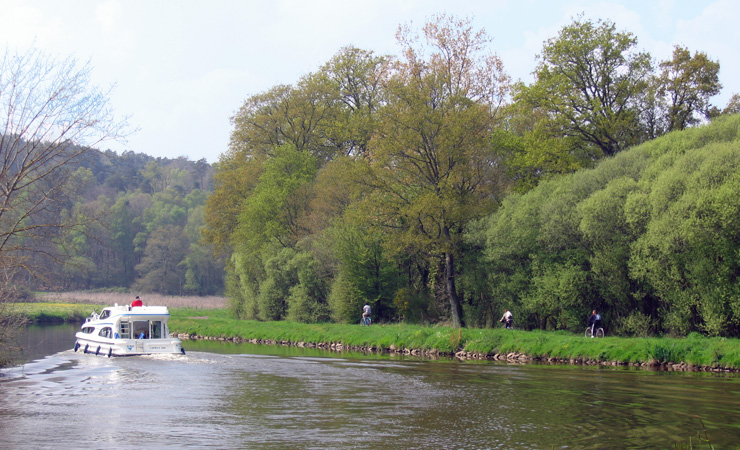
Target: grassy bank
<point x="52" y="312"/>
<point x="695" y="350"/>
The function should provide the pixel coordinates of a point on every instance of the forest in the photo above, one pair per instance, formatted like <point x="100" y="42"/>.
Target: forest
<point x="136" y="227"/>
<point x="436" y="189"/>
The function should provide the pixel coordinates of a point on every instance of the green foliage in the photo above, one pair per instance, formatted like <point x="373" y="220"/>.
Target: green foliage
<point x="160" y="269"/>
<point x="589" y="80"/>
<point x="687" y="82"/>
<point x="361" y="258"/>
<point x="271" y="277"/>
<point x="119" y="222"/>
<point x="636" y="324"/>
<point x="431" y="167"/>
<point x="271" y="211"/>
<point x="648" y="237"/>
<point x="388" y="181"/>
<point x="345" y="300"/>
<point x="307" y="301"/>
<point x="557" y="292"/>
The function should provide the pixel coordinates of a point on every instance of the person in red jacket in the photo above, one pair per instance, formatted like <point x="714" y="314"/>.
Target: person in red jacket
<point x="137" y="302"/>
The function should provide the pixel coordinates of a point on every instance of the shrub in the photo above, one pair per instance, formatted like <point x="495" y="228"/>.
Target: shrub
<point x="636" y="324"/>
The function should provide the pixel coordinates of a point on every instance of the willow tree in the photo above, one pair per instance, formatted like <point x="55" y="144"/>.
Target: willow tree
<point x="431" y="167"/>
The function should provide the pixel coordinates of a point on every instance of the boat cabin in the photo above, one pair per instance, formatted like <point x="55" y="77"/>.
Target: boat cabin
<point x="125" y="322"/>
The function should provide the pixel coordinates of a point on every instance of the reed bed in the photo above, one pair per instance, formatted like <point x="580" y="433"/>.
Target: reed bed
<point x="123" y="298"/>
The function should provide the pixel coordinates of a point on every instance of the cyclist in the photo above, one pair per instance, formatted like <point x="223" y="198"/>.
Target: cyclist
<point x="594" y="321"/>
<point x="366" y="314"/>
<point x="507" y="319"/>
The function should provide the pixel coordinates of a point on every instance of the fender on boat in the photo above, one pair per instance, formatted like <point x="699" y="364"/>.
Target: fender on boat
<point x="86" y="345"/>
<point x="77" y="345"/>
<point x="97" y="352"/>
<point x="182" y="350"/>
<point x="110" y="351"/>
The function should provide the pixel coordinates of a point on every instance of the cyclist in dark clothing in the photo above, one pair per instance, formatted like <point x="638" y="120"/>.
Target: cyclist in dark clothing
<point x="594" y="322"/>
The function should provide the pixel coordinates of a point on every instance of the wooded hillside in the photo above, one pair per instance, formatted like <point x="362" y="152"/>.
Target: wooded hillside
<point x="138" y="223"/>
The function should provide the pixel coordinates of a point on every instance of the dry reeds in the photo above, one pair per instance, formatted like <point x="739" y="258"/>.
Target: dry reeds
<point x="110" y="298"/>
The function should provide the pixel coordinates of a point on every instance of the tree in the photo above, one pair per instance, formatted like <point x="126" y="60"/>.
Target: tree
<point x="49" y="117"/>
<point x="733" y="105"/>
<point x="531" y="148"/>
<point x="590" y="82"/>
<point x="353" y="77"/>
<point x="687" y="83"/>
<point x="269" y="221"/>
<point x="430" y="166"/>
<point x="204" y="275"/>
<point x="162" y="268"/>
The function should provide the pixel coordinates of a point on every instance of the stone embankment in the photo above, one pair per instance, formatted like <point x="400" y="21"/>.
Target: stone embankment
<point x="515" y="357"/>
<point x="512" y="357"/>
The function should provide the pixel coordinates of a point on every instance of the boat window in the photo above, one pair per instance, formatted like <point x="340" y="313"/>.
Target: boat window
<point x="156" y="329"/>
<point x="140" y="329"/>
<point x="125" y="328"/>
<point x="105" y="314"/>
<point x="88" y="330"/>
<point x="106" y="332"/>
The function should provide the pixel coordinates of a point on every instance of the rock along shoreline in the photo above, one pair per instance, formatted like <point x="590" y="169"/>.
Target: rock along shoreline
<point x="511" y="358"/>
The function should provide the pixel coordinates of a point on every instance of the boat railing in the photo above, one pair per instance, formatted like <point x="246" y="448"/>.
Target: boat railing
<point x="93" y="316"/>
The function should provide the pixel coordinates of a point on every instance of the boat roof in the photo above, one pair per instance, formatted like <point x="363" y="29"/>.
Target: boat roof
<point x="137" y="310"/>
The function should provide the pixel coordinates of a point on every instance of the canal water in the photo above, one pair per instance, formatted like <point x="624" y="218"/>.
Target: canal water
<point x="242" y="396"/>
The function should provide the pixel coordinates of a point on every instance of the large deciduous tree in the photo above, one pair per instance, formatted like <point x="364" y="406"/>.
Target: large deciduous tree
<point x="590" y="82"/>
<point x="431" y="165"/>
<point x="262" y="193"/>
<point x="685" y="84"/>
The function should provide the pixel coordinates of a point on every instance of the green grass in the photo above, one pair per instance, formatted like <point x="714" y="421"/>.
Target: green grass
<point x="693" y="350"/>
<point x="52" y="312"/>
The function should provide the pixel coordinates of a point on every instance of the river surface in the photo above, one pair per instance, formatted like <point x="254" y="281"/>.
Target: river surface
<point x="265" y="397"/>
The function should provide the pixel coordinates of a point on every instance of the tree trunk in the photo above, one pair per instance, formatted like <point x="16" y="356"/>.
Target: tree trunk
<point x="452" y="291"/>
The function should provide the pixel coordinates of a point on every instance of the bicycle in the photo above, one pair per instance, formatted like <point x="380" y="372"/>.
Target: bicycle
<point x="599" y="332"/>
<point x="366" y="321"/>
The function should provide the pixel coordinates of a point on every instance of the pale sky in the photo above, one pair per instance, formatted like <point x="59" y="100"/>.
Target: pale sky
<point x="182" y="68"/>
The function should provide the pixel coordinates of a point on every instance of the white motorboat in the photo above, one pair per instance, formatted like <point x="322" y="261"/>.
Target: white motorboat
<point x="127" y="330"/>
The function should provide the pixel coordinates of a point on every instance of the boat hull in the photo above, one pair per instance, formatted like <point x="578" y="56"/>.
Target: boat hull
<point x="127" y="347"/>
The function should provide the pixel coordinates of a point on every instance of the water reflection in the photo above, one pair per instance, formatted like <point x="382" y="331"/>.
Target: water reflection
<point x="309" y="400"/>
<point x="37" y="341"/>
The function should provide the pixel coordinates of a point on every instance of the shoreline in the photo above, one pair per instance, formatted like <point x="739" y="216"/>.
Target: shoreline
<point x="694" y="353"/>
<point x="511" y="357"/>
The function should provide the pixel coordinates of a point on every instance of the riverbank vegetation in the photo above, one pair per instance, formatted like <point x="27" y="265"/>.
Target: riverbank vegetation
<point x="695" y="351"/>
<point x="53" y="312"/>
